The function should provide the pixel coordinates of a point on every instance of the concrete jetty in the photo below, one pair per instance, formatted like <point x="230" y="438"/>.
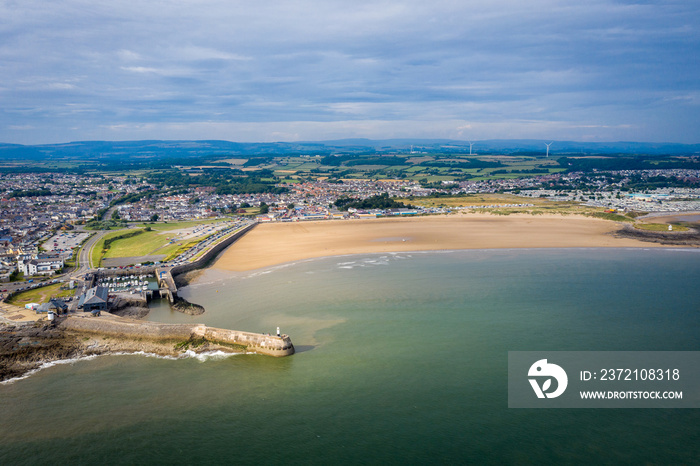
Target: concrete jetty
<point x="271" y="345"/>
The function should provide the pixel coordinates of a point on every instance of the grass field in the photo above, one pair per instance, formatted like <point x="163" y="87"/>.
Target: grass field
<point x="412" y="169"/>
<point x="147" y="243"/>
<point x="659" y="227"/>
<point x="155" y="241"/>
<point x="473" y="200"/>
<point x="495" y="203"/>
<point x="97" y="250"/>
<point x="40" y="295"/>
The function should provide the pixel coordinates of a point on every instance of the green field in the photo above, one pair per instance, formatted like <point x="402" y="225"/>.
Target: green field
<point x="493" y="203"/>
<point x="40" y="295"/>
<point x="156" y="241"/>
<point x="412" y="168"/>
<point x="147" y="243"/>
<point x="659" y="227"/>
<point x="97" y="250"/>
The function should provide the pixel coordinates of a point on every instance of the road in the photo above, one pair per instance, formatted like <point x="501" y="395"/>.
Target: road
<point x="85" y="265"/>
<point x="85" y="254"/>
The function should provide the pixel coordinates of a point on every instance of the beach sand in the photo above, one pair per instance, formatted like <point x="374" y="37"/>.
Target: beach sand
<point x="277" y="243"/>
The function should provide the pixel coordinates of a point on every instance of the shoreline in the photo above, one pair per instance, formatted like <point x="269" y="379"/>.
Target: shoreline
<point x="24" y="349"/>
<point x="275" y="244"/>
<point x="28" y="349"/>
<point x="269" y="245"/>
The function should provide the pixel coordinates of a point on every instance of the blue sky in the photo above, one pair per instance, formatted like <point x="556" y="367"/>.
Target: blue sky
<point x="268" y="70"/>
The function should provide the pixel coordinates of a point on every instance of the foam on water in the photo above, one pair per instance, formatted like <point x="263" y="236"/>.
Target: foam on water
<point x="46" y="365"/>
<point x="189" y="354"/>
<point x="208" y="355"/>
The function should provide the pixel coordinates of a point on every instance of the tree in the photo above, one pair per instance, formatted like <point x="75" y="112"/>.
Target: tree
<point x="290" y="206"/>
<point x="115" y="215"/>
<point x="264" y="208"/>
<point x="154" y="218"/>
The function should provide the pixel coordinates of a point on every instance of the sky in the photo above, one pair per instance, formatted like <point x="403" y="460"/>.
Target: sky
<point x="273" y="70"/>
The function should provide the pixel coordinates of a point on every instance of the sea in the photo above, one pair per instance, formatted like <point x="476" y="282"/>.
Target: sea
<point x="401" y="359"/>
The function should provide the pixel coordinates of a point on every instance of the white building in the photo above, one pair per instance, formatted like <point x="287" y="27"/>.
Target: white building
<point x="40" y="266"/>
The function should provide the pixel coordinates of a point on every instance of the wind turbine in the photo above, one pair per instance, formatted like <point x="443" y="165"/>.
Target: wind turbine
<point x="548" y="147"/>
<point x="470" y="147"/>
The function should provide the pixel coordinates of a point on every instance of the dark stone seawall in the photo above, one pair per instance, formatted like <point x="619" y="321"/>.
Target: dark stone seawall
<point x="176" y="276"/>
<point x="210" y="255"/>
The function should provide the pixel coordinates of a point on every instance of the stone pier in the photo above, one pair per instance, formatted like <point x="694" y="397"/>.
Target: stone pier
<point x="119" y="327"/>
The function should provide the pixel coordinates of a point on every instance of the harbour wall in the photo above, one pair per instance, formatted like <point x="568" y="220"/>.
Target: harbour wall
<point x="166" y="277"/>
<point x="211" y="253"/>
<point x="271" y="345"/>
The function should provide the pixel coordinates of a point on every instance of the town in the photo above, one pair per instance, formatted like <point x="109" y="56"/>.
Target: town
<point x="46" y="217"/>
<point x="42" y="216"/>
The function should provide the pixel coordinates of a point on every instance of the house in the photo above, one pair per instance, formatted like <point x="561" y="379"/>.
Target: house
<point x="56" y="305"/>
<point x="265" y="218"/>
<point x="94" y="299"/>
<point x="40" y="266"/>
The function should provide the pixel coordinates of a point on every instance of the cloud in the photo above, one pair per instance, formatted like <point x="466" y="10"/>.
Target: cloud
<point x="623" y="69"/>
<point x="140" y="69"/>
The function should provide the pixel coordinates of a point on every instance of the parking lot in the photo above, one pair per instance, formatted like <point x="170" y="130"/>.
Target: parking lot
<point x="65" y="242"/>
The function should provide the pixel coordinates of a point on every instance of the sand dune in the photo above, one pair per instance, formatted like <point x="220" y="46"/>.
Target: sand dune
<point x="277" y="243"/>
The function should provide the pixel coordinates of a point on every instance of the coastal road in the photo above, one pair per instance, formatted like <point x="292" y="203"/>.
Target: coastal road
<point x="85" y="254"/>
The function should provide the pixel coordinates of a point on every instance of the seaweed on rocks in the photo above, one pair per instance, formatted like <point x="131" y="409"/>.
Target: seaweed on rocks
<point x="186" y="307"/>
<point x="690" y="238"/>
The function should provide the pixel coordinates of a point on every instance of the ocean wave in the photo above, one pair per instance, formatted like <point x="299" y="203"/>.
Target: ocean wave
<point x="189" y="354"/>
<point x="46" y="365"/>
<point x="207" y="355"/>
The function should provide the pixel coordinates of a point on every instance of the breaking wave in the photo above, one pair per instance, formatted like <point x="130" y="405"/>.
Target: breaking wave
<point x="189" y="354"/>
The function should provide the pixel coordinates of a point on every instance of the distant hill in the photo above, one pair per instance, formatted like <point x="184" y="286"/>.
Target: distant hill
<point x="135" y="150"/>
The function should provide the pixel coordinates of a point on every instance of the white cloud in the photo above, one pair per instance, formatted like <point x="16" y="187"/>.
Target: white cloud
<point x="60" y="86"/>
<point x="498" y="65"/>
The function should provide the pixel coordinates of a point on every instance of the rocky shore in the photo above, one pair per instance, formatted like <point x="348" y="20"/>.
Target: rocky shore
<point x="690" y="238"/>
<point x="186" y="307"/>
<point x="26" y="348"/>
<point x="137" y="309"/>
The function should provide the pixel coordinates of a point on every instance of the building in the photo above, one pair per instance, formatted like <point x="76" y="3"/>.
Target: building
<point x="94" y="299"/>
<point x="56" y="305"/>
<point x="40" y="266"/>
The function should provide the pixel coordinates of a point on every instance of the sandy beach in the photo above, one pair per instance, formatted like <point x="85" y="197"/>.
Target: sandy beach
<point x="277" y="243"/>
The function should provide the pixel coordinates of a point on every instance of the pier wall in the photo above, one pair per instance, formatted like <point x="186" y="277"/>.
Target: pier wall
<point x="271" y="345"/>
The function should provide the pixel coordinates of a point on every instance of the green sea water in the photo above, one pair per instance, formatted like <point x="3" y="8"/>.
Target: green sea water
<point x="402" y="359"/>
